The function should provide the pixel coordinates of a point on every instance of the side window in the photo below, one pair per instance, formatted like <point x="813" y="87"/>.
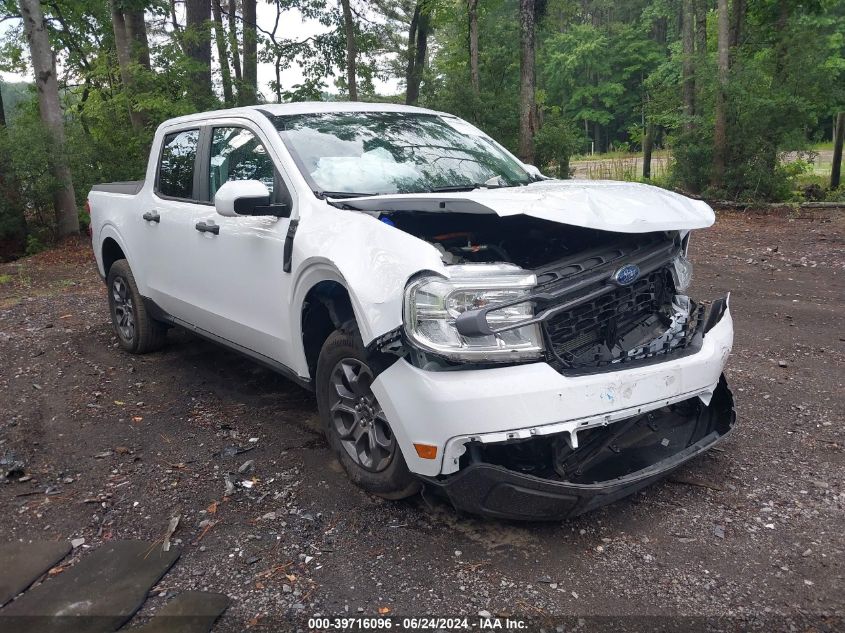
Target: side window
<point x="236" y="154"/>
<point x="176" y="170"/>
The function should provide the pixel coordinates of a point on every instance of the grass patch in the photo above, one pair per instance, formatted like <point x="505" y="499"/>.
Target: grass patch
<point x="4" y="279"/>
<point x="820" y="146"/>
<point x="584" y="158"/>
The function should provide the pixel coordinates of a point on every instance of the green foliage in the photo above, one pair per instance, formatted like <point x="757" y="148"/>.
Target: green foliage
<point x="555" y="143"/>
<point x="597" y="75"/>
<point x="604" y="71"/>
<point x="27" y="152"/>
<point x="34" y="244"/>
<point x="447" y="86"/>
<point x="777" y="91"/>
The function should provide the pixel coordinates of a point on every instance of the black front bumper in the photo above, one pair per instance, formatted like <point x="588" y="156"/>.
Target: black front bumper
<point x="499" y="492"/>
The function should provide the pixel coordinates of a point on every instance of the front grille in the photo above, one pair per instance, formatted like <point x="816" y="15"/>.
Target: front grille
<point x="609" y="325"/>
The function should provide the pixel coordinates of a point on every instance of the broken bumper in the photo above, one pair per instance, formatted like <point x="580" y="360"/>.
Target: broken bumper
<point x="496" y="491"/>
<point x="451" y="409"/>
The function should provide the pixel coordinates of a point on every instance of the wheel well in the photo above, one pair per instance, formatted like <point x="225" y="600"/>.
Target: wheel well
<point x="327" y="307"/>
<point x="111" y="253"/>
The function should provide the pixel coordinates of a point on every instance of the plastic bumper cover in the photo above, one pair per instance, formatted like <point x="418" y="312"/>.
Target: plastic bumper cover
<point x="496" y="491"/>
<point x="449" y="409"/>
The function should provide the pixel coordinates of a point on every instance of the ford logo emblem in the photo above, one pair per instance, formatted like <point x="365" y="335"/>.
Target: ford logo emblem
<point x="626" y="275"/>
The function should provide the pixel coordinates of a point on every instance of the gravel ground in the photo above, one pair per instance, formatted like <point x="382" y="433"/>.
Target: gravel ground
<point x="752" y="531"/>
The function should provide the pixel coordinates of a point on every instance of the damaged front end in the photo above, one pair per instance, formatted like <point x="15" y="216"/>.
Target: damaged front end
<point x="597" y="308"/>
<point x="546" y="478"/>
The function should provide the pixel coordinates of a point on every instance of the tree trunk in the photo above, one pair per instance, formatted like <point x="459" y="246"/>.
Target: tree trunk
<point x="720" y="133"/>
<point x="527" y="88"/>
<point x="598" y="138"/>
<point x="249" y="89"/>
<point x="14" y="232"/>
<point x="738" y="8"/>
<point x="233" y="42"/>
<point x="839" y="135"/>
<point x="688" y="76"/>
<point x="700" y="27"/>
<point x="123" y="48"/>
<point x="700" y="7"/>
<point x="177" y="30"/>
<point x="197" y="38"/>
<point x="648" y="145"/>
<point x="417" y="49"/>
<point x="472" y="8"/>
<point x="2" y="111"/>
<point x="46" y="83"/>
<point x="412" y="48"/>
<point x="136" y="31"/>
<point x="220" y="39"/>
<point x="351" y="51"/>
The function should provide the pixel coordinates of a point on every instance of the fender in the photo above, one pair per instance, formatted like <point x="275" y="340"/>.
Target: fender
<point x="372" y="260"/>
<point x="109" y="229"/>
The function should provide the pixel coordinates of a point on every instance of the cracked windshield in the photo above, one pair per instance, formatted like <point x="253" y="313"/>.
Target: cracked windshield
<point x="367" y="153"/>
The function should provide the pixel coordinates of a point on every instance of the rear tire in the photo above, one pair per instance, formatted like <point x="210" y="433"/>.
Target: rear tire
<point x="137" y="332"/>
<point x="354" y="422"/>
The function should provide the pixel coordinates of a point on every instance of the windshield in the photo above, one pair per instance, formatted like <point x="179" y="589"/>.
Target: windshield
<point x="367" y="153"/>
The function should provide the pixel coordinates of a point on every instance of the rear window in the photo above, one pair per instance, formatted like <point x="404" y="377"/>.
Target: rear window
<point x="176" y="169"/>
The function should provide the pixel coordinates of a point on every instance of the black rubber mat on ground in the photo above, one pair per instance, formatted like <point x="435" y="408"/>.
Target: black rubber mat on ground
<point x="96" y="595"/>
<point x="21" y="564"/>
<point x="189" y="612"/>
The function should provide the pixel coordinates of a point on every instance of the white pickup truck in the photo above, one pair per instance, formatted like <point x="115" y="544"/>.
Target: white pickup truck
<point x="523" y="345"/>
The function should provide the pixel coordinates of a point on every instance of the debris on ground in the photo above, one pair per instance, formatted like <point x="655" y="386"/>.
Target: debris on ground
<point x="11" y="466"/>
<point x="171" y="528"/>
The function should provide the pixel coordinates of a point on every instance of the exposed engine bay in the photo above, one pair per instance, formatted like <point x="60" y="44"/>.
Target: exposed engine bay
<point x="591" y="319"/>
<point x="477" y="238"/>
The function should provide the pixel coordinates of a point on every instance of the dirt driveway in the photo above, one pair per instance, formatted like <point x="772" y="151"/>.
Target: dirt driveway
<point x="116" y="445"/>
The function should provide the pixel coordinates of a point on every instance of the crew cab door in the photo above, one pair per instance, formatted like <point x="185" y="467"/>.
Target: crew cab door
<point x="239" y="260"/>
<point x="167" y="223"/>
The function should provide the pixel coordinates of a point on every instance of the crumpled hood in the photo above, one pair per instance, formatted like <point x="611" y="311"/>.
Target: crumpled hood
<point x="607" y="205"/>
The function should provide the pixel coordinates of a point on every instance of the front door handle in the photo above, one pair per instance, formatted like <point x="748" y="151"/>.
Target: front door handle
<point x="202" y="227"/>
<point x="152" y="216"/>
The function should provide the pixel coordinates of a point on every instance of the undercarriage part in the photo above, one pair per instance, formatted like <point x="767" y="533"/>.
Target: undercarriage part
<point x="545" y="478"/>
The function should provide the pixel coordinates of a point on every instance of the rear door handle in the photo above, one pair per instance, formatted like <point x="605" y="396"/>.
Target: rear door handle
<point x="202" y="227"/>
<point x="152" y="216"/>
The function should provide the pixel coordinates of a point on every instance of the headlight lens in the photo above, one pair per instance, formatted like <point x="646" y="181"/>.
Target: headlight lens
<point x="681" y="273"/>
<point x="433" y="303"/>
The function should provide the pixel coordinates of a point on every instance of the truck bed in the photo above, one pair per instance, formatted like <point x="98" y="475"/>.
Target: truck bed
<point x="127" y="187"/>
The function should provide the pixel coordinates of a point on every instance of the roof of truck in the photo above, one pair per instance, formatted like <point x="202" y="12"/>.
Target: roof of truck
<point x="304" y="107"/>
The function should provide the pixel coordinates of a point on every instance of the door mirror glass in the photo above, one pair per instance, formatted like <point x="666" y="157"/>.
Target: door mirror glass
<point x="247" y="197"/>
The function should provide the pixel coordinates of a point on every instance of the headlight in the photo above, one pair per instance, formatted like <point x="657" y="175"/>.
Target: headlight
<point x="681" y="273"/>
<point x="432" y="304"/>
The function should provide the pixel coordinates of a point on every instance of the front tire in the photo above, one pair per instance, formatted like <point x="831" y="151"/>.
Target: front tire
<point x="354" y="422"/>
<point x="137" y="332"/>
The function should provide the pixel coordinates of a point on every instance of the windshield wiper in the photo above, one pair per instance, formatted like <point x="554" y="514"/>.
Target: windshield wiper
<point x="342" y="194"/>
<point x="466" y="187"/>
<point x="495" y="182"/>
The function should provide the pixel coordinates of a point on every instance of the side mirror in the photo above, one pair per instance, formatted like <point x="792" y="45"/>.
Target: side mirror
<point x="247" y="197"/>
<point x="534" y="171"/>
